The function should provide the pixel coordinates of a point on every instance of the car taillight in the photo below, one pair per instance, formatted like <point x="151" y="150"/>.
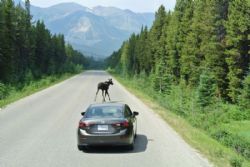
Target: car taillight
<point x="83" y="124"/>
<point x="124" y="124"/>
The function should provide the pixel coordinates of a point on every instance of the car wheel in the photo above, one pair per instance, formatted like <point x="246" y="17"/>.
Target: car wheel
<point x="131" y="146"/>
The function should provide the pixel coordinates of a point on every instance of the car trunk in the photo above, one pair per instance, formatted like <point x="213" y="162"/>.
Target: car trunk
<point x="104" y="126"/>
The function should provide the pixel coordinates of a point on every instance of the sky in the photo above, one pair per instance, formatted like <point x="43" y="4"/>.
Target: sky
<point x="134" y="5"/>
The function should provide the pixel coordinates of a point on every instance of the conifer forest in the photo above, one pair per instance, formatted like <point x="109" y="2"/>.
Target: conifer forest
<point x="28" y="50"/>
<point x="195" y="61"/>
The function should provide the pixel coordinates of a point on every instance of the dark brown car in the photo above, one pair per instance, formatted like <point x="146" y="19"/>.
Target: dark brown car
<point x="107" y="124"/>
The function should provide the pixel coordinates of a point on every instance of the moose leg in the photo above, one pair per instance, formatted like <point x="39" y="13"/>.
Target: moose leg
<point x="107" y="93"/>
<point x="96" y="94"/>
<point x="103" y="96"/>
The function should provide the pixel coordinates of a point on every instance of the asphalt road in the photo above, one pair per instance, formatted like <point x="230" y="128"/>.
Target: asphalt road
<point x="40" y="131"/>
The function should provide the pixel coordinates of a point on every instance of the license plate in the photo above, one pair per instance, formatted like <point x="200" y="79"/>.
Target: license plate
<point x="103" y="127"/>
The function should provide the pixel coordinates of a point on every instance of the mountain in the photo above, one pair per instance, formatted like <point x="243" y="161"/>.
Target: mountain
<point x="95" y="32"/>
<point x="124" y="19"/>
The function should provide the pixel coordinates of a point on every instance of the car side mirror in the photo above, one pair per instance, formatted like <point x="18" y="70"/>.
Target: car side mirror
<point x="135" y="113"/>
<point x="82" y="113"/>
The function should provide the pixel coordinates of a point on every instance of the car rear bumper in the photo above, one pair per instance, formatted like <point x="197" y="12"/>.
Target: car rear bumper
<point x="124" y="137"/>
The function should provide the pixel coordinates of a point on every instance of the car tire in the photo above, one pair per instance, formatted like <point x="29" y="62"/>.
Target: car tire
<point x="80" y="148"/>
<point x="130" y="147"/>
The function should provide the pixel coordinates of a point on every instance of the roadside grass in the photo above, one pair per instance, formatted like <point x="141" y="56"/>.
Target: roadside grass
<point x="15" y="93"/>
<point x="196" y="129"/>
<point x="240" y="128"/>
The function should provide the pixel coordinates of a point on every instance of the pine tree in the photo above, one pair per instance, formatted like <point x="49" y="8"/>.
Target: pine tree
<point x="211" y="44"/>
<point x="237" y="43"/>
<point x="190" y="41"/>
<point x="244" y="98"/>
<point x="176" y="34"/>
<point x="125" y="61"/>
<point x="156" y="34"/>
<point x="145" y="52"/>
<point x="219" y="64"/>
<point x="41" y="46"/>
<point x="203" y="47"/>
<point x="114" y="61"/>
<point x="29" y="42"/>
<point x="20" y="56"/>
<point x="139" y="51"/>
<point x="191" y="57"/>
<point x="162" y="80"/>
<point x="206" y="88"/>
<point x="61" y="52"/>
<point x="159" y="50"/>
<point x="9" y="41"/>
<point x="1" y="41"/>
<point x="160" y="18"/>
<point x="27" y="50"/>
<point x="132" y="62"/>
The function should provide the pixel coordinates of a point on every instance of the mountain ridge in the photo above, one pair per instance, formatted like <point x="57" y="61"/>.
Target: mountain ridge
<point x="96" y="31"/>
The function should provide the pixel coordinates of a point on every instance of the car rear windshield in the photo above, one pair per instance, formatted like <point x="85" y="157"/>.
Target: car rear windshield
<point x="104" y="111"/>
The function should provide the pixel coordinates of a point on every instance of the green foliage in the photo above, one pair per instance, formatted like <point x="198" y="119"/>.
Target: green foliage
<point x="236" y="162"/>
<point x="1" y="35"/>
<point x="196" y="35"/>
<point x="195" y="62"/>
<point x="9" y="40"/>
<point x="3" y="91"/>
<point x="237" y="43"/>
<point x="162" y="81"/>
<point x="28" y="77"/>
<point x="111" y="62"/>
<point x="236" y="113"/>
<point x="13" y="93"/>
<point x="110" y="70"/>
<point x="29" y="51"/>
<point x="226" y="123"/>
<point x="239" y="144"/>
<point x="158" y="25"/>
<point x="244" y="98"/>
<point x="157" y="39"/>
<point x="179" y="26"/>
<point x="125" y="61"/>
<point x="206" y="89"/>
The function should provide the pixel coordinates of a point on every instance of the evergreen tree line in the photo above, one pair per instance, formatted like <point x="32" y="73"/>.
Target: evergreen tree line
<point x="28" y="50"/>
<point x="202" y="43"/>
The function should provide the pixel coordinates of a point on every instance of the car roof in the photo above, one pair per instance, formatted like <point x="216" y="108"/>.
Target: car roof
<point x="107" y="104"/>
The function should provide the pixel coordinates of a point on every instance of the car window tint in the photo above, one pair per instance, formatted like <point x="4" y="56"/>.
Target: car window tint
<point x="94" y="112"/>
<point x="128" y="112"/>
<point x="107" y="111"/>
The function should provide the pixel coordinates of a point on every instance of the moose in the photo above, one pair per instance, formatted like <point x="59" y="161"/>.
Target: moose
<point x="104" y="86"/>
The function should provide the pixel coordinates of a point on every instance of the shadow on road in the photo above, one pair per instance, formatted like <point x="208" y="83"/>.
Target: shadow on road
<point x="141" y="142"/>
